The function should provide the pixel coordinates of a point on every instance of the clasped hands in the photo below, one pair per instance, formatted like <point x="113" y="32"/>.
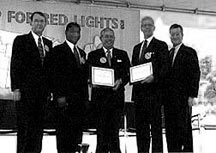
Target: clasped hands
<point x="16" y="95"/>
<point x="61" y="101"/>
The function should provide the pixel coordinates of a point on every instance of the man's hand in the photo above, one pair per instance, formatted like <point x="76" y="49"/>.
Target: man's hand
<point x="191" y="101"/>
<point x="16" y="95"/>
<point x="117" y="84"/>
<point x="149" y="79"/>
<point x="62" y="102"/>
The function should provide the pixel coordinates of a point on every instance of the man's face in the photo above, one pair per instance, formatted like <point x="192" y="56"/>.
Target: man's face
<point x="147" y="27"/>
<point x="73" y="34"/>
<point x="38" y="24"/>
<point x="176" y="36"/>
<point x="108" y="39"/>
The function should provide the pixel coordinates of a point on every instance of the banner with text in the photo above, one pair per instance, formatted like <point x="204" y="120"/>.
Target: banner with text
<point x="14" y="20"/>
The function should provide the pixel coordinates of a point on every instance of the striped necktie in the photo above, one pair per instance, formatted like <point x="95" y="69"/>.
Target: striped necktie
<point x="76" y="55"/>
<point x="171" y="55"/>
<point x="109" y="57"/>
<point x="40" y="48"/>
<point x="142" y="55"/>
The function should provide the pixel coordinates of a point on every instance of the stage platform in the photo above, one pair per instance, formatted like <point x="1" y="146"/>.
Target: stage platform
<point x="204" y="141"/>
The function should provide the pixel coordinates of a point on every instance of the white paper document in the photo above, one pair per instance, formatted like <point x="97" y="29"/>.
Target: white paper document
<point x="140" y="72"/>
<point x="102" y="76"/>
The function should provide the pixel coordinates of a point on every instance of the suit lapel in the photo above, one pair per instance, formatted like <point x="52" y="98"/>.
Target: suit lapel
<point x="151" y="45"/>
<point x="31" y="44"/>
<point x="137" y="53"/>
<point x="69" y="51"/>
<point x="178" y="56"/>
<point x="46" y="46"/>
<point x="82" y="53"/>
<point x="102" y="55"/>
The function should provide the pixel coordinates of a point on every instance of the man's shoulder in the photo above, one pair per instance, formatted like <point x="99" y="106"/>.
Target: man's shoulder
<point x="158" y="41"/>
<point x="23" y="36"/>
<point x="80" y="49"/>
<point x="47" y="40"/>
<point x="95" y="52"/>
<point x="188" y="50"/>
<point x="59" y="49"/>
<point x="120" y="51"/>
<point x="138" y="45"/>
<point x="60" y="45"/>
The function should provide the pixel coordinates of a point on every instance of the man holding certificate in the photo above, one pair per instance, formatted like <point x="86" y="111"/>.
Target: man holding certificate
<point x="109" y="74"/>
<point x="150" y="65"/>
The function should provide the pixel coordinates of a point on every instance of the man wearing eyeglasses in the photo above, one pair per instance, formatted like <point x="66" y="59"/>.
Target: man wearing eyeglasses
<point x="147" y="93"/>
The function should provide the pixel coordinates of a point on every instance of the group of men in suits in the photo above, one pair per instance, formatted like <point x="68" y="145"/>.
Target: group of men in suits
<point x="37" y="70"/>
<point x="174" y="84"/>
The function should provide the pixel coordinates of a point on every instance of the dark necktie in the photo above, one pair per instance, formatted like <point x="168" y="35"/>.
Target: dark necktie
<point x="171" y="55"/>
<point x="41" y="52"/>
<point x="76" y="55"/>
<point x="142" y="56"/>
<point x="109" y="57"/>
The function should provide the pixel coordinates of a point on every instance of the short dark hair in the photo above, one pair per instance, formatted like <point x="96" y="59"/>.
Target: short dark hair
<point x="72" y="24"/>
<point x="174" y="26"/>
<point x="39" y="13"/>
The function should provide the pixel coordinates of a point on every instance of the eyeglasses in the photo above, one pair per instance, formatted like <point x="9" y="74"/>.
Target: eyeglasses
<point x="146" y="25"/>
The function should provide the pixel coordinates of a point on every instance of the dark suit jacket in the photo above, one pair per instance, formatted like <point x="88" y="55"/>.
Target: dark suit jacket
<point x="69" y="79"/>
<point x="120" y="64"/>
<point x="184" y="75"/>
<point x="160" y="61"/>
<point x="27" y="72"/>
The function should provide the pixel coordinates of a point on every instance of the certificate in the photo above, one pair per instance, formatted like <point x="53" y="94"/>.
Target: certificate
<point x="140" y="72"/>
<point x="102" y="76"/>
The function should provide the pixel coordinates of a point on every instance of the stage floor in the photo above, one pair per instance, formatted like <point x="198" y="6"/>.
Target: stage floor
<point x="204" y="142"/>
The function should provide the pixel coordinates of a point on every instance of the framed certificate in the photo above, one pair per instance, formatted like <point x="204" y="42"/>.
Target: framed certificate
<point x="140" y="72"/>
<point x="102" y="76"/>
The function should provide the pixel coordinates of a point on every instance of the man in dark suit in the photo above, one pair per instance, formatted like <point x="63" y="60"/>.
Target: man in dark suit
<point x="29" y="77"/>
<point x="109" y="101"/>
<point x="147" y="93"/>
<point x="182" y="84"/>
<point x="70" y="90"/>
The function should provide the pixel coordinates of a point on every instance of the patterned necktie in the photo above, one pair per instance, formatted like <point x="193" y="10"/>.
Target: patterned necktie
<point x="171" y="55"/>
<point x="109" y="57"/>
<point x="40" y="48"/>
<point x="76" y="55"/>
<point x="142" y="55"/>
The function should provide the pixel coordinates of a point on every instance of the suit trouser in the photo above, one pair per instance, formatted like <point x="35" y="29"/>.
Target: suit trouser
<point x="108" y="124"/>
<point x="178" y="126"/>
<point x="148" y="119"/>
<point x="29" y="124"/>
<point x="69" y="130"/>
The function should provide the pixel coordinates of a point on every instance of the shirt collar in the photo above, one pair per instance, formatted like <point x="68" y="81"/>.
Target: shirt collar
<point x="105" y="50"/>
<point x="177" y="47"/>
<point x="35" y="36"/>
<point x="71" y="45"/>
<point x="149" y="40"/>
